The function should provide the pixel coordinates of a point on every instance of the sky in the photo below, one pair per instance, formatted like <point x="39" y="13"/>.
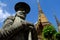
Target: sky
<point x="49" y="7"/>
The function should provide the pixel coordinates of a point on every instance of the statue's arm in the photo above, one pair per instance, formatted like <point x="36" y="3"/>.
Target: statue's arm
<point x="7" y="32"/>
<point x="33" y="30"/>
<point x="34" y="33"/>
<point x="8" y="21"/>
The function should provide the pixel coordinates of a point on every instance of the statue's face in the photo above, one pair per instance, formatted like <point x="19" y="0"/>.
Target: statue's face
<point x="22" y="14"/>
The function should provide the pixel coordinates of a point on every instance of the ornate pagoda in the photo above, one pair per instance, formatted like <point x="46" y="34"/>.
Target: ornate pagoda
<point x="42" y="21"/>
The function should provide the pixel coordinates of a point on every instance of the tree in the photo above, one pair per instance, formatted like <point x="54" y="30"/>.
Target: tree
<point x="57" y="36"/>
<point x="48" y="32"/>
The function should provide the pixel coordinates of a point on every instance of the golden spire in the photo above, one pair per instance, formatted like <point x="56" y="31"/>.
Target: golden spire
<point x="56" y="20"/>
<point x="58" y="23"/>
<point x="39" y="8"/>
<point x="39" y="11"/>
<point x="41" y="17"/>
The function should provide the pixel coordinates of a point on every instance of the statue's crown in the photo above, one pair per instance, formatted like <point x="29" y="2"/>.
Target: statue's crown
<point x="22" y="6"/>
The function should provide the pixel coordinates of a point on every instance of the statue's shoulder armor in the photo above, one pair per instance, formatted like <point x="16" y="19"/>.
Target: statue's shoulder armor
<point x="8" y="21"/>
<point x="10" y="17"/>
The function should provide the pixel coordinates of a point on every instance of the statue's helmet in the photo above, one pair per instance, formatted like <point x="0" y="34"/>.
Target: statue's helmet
<point x="22" y="6"/>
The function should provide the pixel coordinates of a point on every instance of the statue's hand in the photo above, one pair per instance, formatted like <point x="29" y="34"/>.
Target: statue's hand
<point x="31" y="27"/>
<point x="28" y="23"/>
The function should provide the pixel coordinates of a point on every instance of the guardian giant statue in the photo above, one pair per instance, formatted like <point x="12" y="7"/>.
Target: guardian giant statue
<point x="16" y="27"/>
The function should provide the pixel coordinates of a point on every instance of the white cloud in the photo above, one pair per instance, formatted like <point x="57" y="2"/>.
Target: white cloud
<point x="3" y="13"/>
<point x="2" y="4"/>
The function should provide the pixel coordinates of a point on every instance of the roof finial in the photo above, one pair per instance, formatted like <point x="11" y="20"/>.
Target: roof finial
<point x="38" y="1"/>
<point x="39" y="8"/>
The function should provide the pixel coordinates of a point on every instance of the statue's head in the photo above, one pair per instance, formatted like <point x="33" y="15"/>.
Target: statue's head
<point x="22" y="7"/>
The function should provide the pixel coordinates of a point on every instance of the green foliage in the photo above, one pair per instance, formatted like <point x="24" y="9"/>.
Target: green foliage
<point x="57" y="36"/>
<point x="48" y="31"/>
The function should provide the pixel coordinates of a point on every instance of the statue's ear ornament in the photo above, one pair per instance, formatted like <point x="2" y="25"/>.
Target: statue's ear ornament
<point x="22" y="6"/>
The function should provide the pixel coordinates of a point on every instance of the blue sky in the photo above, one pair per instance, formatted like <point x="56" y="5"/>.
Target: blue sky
<point x="49" y="7"/>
